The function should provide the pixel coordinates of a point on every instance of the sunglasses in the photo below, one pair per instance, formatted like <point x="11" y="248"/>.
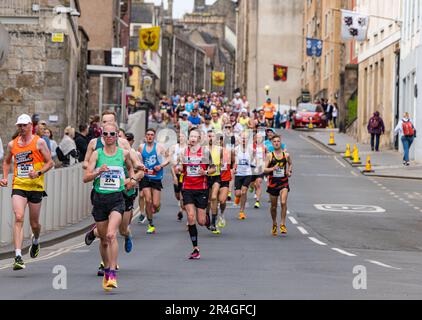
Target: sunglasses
<point x="110" y="134"/>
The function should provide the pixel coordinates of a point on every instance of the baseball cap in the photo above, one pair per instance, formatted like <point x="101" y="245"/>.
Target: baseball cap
<point x="269" y="99"/>
<point x="270" y="129"/>
<point x="24" y="119"/>
<point x="185" y="114"/>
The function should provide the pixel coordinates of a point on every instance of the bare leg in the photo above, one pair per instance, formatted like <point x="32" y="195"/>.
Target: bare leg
<point x="274" y="204"/>
<point x="19" y="203"/>
<point x="115" y="220"/>
<point x="284" y="196"/>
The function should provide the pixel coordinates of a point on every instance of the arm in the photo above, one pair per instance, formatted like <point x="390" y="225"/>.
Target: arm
<point x="398" y="128"/>
<point x="290" y="167"/>
<point x="267" y="168"/>
<point x="131" y="180"/>
<point x="48" y="162"/>
<point x="7" y="162"/>
<point x="89" y="152"/>
<point x="165" y="154"/>
<point x="90" y="174"/>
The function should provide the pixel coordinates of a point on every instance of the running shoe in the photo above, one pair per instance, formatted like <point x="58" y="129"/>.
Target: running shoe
<point x="151" y="230"/>
<point x="100" y="271"/>
<point x="283" y="230"/>
<point x="90" y="236"/>
<point x="274" y="231"/>
<point x="242" y="216"/>
<point x="221" y="223"/>
<point x="229" y="197"/>
<point x="214" y="230"/>
<point x="142" y="219"/>
<point x="112" y="280"/>
<point x="34" y="250"/>
<point x="180" y="217"/>
<point x="18" y="264"/>
<point x="128" y="244"/>
<point x="257" y="205"/>
<point x="195" y="255"/>
<point x="237" y="201"/>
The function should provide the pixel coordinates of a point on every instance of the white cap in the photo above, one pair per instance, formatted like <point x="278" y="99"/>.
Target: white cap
<point x="237" y="94"/>
<point x="244" y="111"/>
<point x="24" y="119"/>
<point x="185" y="113"/>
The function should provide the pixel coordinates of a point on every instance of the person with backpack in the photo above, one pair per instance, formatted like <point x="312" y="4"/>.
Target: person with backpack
<point x="407" y="132"/>
<point x="376" y="128"/>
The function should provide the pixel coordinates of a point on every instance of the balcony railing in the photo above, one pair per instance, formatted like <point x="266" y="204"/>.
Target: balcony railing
<point x="18" y="8"/>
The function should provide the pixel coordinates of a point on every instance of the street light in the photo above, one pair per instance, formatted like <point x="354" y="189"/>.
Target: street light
<point x="267" y="89"/>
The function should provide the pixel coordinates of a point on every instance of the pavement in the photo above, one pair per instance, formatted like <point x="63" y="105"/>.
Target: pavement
<point x="350" y="237"/>
<point x="387" y="163"/>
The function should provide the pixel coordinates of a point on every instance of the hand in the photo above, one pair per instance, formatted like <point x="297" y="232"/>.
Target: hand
<point x="202" y="172"/>
<point x="103" y="169"/>
<point x="130" y="184"/>
<point x="3" y="183"/>
<point x="289" y="173"/>
<point x="157" y="168"/>
<point x="33" y="175"/>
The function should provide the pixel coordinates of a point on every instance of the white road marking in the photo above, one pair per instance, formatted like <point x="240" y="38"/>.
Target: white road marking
<point x="317" y="241"/>
<point x="341" y="163"/>
<point x="355" y="174"/>
<point x="344" y="252"/>
<point x="293" y="220"/>
<point x="382" y="264"/>
<point x="349" y="208"/>
<point x="303" y="231"/>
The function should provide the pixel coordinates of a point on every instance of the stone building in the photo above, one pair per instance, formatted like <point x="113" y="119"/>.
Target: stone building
<point x="44" y="72"/>
<point x="269" y="32"/>
<point x="378" y="68"/>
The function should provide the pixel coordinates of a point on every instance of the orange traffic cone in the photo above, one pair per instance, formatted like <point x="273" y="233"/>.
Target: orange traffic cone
<point x="368" y="168"/>
<point x="288" y="125"/>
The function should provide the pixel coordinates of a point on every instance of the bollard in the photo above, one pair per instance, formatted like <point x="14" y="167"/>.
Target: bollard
<point x="356" y="158"/>
<point x="332" y="140"/>
<point x="348" y="153"/>
<point x="368" y="168"/>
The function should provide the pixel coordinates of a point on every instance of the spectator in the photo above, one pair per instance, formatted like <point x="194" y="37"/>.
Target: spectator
<point x="376" y="128"/>
<point x="1" y="150"/>
<point x="49" y="134"/>
<point x="283" y="120"/>
<point x="335" y="115"/>
<point x="407" y="132"/>
<point x="41" y="128"/>
<point x="35" y="119"/>
<point x="67" y="152"/>
<point x="329" y="113"/>
<point x="82" y="141"/>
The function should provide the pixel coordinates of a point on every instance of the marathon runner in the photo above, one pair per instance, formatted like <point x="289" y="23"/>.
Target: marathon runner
<point x="106" y="169"/>
<point x="151" y="157"/>
<point x="279" y="166"/>
<point x="175" y="152"/>
<point x="243" y="173"/>
<point x="260" y="121"/>
<point x="259" y="155"/>
<point x="195" y="168"/>
<point x="32" y="160"/>
<point x="214" y="180"/>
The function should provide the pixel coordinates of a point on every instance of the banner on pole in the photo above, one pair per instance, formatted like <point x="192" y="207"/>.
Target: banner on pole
<point x="280" y="73"/>
<point x="354" y="25"/>
<point x="149" y="39"/>
<point x="314" y="47"/>
<point x="218" y="79"/>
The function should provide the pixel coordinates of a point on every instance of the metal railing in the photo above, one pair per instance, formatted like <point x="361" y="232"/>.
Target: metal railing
<point x="18" y="8"/>
<point x="68" y="203"/>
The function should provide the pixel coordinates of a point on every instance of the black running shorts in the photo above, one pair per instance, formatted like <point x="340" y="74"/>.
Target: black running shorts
<point x="150" y="184"/>
<point x="199" y="198"/>
<point x="242" y="182"/>
<point x="213" y="180"/>
<point x="104" y="204"/>
<point x="34" y="197"/>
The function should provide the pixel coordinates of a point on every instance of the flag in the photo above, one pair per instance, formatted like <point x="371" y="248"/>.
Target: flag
<point x="314" y="47"/>
<point x="218" y="79"/>
<point x="149" y="39"/>
<point x="280" y="73"/>
<point x="354" y="25"/>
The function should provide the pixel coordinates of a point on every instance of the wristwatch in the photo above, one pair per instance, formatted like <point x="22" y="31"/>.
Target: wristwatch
<point x="39" y="173"/>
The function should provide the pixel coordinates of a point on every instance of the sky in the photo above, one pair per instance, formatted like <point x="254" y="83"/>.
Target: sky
<point x="180" y="6"/>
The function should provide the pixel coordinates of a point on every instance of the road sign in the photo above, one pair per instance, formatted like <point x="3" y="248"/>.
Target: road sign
<point x="4" y="44"/>
<point x="349" y="208"/>
<point x="57" y="37"/>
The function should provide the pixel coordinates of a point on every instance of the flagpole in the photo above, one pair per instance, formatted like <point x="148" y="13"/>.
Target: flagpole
<point x="372" y="16"/>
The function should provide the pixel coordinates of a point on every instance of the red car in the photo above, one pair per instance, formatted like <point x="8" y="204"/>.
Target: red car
<point x="307" y="113"/>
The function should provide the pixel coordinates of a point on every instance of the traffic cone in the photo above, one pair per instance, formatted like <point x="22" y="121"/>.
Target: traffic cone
<point x="288" y="126"/>
<point x="311" y="125"/>
<point x="348" y="154"/>
<point x="332" y="141"/>
<point x="368" y="168"/>
<point x="356" y="158"/>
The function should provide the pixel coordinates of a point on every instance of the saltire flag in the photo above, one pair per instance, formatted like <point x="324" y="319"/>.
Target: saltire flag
<point x="314" y="47"/>
<point x="218" y="79"/>
<point x="149" y="38"/>
<point x="354" y="25"/>
<point x="280" y="73"/>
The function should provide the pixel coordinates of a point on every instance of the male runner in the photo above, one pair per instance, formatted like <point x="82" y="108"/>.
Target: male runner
<point x="214" y="180"/>
<point x="279" y="166"/>
<point x="259" y="155"/>
<point x="175" y="152"/>
<point x="32" y="160"/>
<point x="226" y="178"/>
<point x="106" y="169"/>
<point x="152" y="155"/>
<point x="195" y="168"/>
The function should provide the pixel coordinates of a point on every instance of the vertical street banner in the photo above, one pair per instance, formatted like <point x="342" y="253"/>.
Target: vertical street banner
<point x="218" y="79"/>
<point x="149" y="38"/>
<point x="280" y="73"/>
<point x="314" y="47"/>
<point x="354" y="25"/>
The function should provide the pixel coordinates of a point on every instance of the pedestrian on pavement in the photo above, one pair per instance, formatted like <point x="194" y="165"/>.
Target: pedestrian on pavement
<point x="335" y="114"/>
<point x="42" y="126"/>
<point x="31" y="160"/>
<point x="376" y="128"/>
<point x="407" y="133"/>
<point x="82" y="141"/>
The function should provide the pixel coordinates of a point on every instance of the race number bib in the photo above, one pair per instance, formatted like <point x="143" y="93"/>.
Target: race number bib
<point x="279" y="172"/>
<point x="111" y="180"/>
<point x="24" y="170"/>
<point x="193" y="171"/>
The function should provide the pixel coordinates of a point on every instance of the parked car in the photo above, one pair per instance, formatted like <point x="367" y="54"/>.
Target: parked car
<point x="307" y="113"/>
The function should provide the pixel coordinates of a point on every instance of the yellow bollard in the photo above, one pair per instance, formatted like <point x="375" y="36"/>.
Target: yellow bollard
<point x="311" y="124"/>
<point x="368" y="168"/>
<point x="332" y="140"/>
<point x="348" y="154"/>
<point x="356" y="158"/>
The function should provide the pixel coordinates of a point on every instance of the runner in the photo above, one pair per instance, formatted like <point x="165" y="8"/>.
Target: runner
<point x="260" y="121"/>
<point x="106" y="169"/>
<point x="152" y="155"/>
<point x="270" y="111"/>
<point x="279" y="166"/>
<point x="195" y="193"/>
<point x="226" y="178"/>
<point x="243" y="173"/>
<point x="259" y="155"/>
<point x="32" y="160"/>
<point x="175" y="152"/>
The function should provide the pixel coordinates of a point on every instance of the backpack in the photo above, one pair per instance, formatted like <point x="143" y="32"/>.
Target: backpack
<point x="375" y="122"/>
<point x="408" y="129"/>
